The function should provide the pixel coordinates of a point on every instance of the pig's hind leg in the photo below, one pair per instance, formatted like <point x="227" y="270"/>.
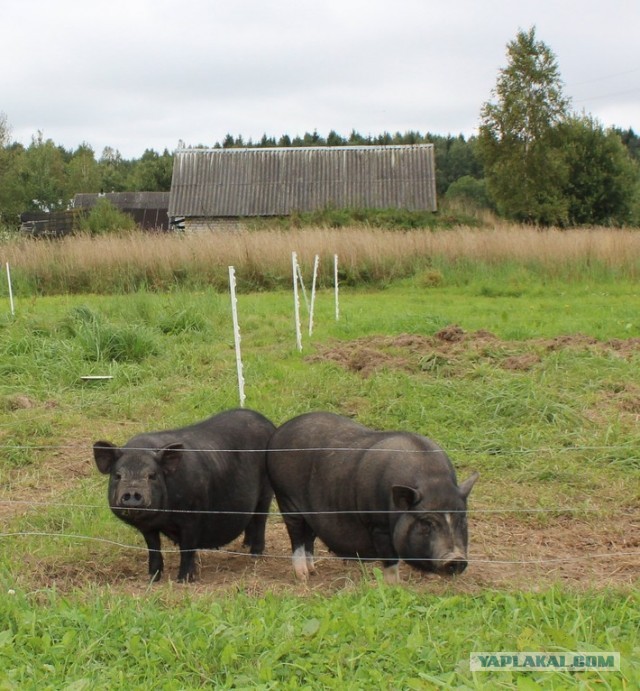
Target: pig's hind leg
<point x="254" y="534"/>
<point x="302" y="540"/>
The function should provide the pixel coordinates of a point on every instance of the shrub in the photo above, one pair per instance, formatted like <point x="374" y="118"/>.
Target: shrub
<point x="470" y="192"/>
<point x="105" y="218"/>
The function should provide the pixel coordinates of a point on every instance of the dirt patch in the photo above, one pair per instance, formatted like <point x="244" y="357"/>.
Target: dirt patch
<point x="584" y="552"/>
<point x="452" y="348"/>
<point x="46" y="482"/>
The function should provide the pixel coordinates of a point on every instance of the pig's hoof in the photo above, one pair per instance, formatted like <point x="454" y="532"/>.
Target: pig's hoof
<point x="392" y="574"/>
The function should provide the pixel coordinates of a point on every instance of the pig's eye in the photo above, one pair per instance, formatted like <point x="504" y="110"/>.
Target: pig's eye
<point x="152" y="476"/>
<point x="118" y="476"/>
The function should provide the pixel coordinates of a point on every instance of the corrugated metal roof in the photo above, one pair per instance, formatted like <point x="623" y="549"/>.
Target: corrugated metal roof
<point x="277" y="181"/>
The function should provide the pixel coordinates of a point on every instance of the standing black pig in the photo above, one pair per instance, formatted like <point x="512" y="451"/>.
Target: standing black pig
<point x="367" y="494"/>
<point x="166" y="482"/>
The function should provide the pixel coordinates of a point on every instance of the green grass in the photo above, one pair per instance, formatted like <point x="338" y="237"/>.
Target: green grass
<point x="370" y="638"/>
<point x="560" y="431"/>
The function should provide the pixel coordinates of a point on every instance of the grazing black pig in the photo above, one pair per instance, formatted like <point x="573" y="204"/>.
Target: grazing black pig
<point x="369" y="495"/>
<point x="166" y="482"/>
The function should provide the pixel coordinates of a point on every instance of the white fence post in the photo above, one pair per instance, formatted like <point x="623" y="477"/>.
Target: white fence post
<point x="335" y="283"/>
<point x="304" y="292"/>
<point x="316" y="261"/>
<point x="10" y="290"/>
<point x="236" y="333"/>
<point x="296" y="299"/>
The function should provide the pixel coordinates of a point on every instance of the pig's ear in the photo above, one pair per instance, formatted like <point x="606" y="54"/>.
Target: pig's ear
<point x="105" y="455"/>
<point x="169" y="457"/>
<point x="466" y="487"/>
<point x="405" y="497"/>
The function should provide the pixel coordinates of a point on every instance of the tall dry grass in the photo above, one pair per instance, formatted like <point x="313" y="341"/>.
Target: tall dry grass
<point x="263" y="258"/>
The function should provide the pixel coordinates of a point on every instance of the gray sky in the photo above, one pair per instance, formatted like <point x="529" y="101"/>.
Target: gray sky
<point x="149" y="73"/>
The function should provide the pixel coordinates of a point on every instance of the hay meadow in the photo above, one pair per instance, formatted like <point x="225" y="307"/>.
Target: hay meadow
<point x="161" y="262"/>
<point x="518" y="350"/>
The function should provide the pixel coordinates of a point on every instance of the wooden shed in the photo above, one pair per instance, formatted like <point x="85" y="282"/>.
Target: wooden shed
<point x="149" y="209"/>
<point x="214" y="188"/>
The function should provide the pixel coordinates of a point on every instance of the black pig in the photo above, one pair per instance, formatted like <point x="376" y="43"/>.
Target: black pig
<point x="369" y="495"/>
<point x="165" y="482"/>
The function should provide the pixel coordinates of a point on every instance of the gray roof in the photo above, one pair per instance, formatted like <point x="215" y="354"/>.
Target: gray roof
<point x="277" y="181"/>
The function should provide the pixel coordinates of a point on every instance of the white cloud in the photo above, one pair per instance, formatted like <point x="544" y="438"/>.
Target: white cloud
<point x="145" y="74"/>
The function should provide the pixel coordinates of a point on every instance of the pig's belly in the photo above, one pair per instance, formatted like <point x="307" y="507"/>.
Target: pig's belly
<point x="345" y="538"/>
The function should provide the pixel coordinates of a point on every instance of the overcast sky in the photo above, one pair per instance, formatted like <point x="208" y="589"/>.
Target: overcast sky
<point x="147" y="74"/>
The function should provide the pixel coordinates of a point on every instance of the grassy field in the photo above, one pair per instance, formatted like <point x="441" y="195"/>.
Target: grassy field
<point x="525" y="370"/>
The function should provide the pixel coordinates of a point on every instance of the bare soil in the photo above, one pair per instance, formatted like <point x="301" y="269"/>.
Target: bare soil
<point x="504" y="553"/>
<point x="453" y="346"/>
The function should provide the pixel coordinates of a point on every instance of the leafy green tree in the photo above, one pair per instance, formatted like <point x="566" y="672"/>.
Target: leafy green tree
<point x="13" y="196"/>
<point x="312" y="139"/>
<point x="356" y="139"/>
<point x="603" y="181"/>
<point x="469" y="191"/>
<point x="455" y="158"/>
<point x="45" y="175"/>
<point x="517" y="140"/>
<point x="152" y="173"/>
<point x="267" y="142"/>
<point x="83" y="172"/>
<point x="631" y="140"/>
<point x="334" y="139"/>
<point x="113" y="171"/>
<point x="384" y="139"/>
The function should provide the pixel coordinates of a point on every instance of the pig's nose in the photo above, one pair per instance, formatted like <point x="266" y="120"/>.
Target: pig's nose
<point x="454" y="564"/>
<point x="131" y="500"/>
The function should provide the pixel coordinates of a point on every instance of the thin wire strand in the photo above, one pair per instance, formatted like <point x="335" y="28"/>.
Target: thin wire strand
<point x="276" y="514"/>
<point x="473" y="560"/>
<point x="489" y="450"/>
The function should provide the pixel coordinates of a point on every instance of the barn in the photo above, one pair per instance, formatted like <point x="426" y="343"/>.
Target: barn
<point x="212" y="189"/>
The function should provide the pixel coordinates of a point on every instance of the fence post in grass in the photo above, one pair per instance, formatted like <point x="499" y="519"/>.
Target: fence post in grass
<point x="313" y="292"/>
<point x="304" y="292"/>
<point x="335" y="283"/>
<point x="296" y="299"/>
<point x="236" y="333"/>
<point x="10" y="290"/>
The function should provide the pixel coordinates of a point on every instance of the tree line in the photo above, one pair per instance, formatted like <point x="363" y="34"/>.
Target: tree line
<point x="533" y="161"/>
<point x="545" y="164"/>
<point x="44" y="176"/>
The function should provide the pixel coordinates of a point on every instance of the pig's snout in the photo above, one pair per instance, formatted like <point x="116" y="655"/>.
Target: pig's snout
<point x="131" y="500"/>
<point x="453" y="564"/>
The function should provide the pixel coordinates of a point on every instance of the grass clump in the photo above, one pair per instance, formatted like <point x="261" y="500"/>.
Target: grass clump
<point x="101" y="341"/>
